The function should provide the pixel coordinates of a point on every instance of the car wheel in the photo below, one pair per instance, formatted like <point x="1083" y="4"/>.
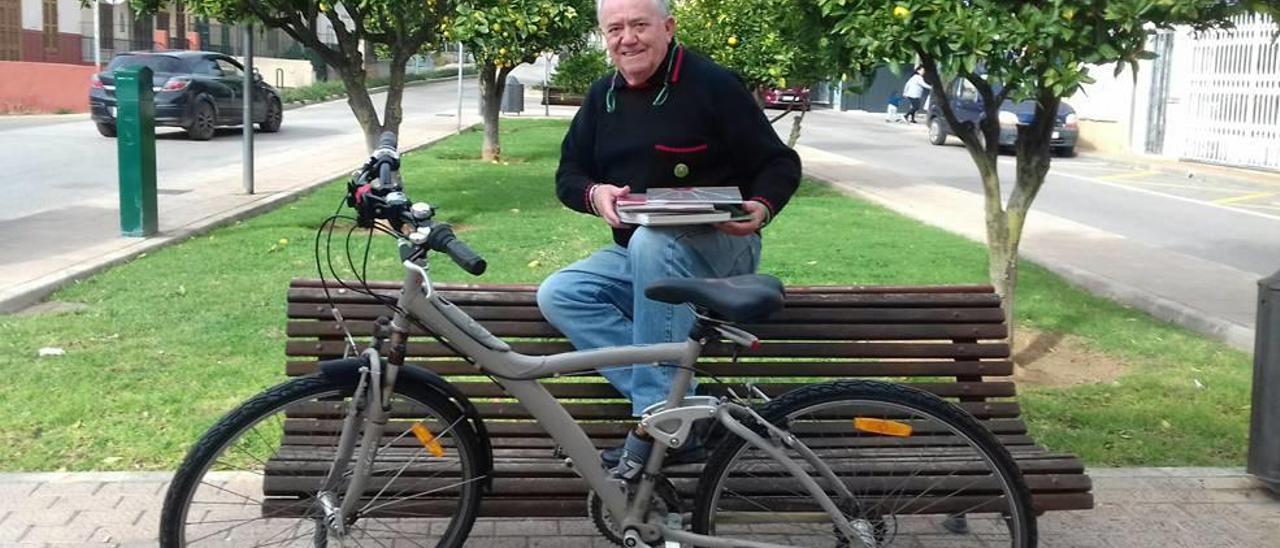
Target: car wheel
<point x="107" y="130"/>
<point x="937" y="135"/>
<point x="1066" y="152"/>
<point x="275" y="115"/>
<point x="203" y="123"/>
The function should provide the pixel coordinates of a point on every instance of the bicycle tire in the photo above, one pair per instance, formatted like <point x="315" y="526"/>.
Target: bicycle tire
<point x="825" y="401"/>
<point x="313" y="391"/>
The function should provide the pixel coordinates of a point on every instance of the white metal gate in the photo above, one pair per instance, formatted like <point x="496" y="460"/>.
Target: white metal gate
<point x="1233" y="100"/>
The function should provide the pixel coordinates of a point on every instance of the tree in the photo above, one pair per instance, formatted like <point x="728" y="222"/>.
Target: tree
<point x="1013" y="49"/>
<point x="501" y="34"/>
<point x="398" y="27"/>
<point x="769" y="43"/>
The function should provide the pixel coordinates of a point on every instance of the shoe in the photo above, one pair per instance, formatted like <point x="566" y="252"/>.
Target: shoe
<point x="693" y="451"/>
<point x="632" y="458"/>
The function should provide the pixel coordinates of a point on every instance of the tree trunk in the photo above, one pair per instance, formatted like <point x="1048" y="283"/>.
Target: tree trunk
<point x="392" y="112"/>
<point x="795" y="126"/>
<point x="361" y="104"/>
<point x="490" y="101"/>
<point x="492" y="81"/>
<point x="1002" y="267"/>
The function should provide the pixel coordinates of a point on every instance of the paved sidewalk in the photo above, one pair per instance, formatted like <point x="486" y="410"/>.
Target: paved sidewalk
<point x="1136" y="507"/>
<point x="1201" y="295"/>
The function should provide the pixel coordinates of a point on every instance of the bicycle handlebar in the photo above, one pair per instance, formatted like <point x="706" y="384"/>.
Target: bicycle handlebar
<point x="443" y="239"/>
<point x="372" y="203"/>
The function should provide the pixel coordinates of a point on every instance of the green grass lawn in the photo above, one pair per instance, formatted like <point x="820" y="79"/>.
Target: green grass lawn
<point x="170" y="341"/>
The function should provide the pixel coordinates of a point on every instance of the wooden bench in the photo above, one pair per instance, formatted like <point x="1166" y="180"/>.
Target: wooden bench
<point x="948" y="340"/>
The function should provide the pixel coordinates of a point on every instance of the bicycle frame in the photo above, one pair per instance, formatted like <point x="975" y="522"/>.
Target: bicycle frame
<point x="519" y="374"/>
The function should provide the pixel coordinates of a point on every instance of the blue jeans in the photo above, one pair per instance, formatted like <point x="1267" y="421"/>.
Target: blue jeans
<point x="599" y="301"/>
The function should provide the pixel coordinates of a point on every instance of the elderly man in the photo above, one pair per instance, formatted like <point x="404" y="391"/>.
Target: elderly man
<point x="665" y="117"/>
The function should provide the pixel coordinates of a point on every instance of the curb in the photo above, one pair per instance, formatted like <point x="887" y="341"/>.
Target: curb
<point x="43" y="117"/>
<point x="1235" y="335"/>
<point x="27" y="294"/>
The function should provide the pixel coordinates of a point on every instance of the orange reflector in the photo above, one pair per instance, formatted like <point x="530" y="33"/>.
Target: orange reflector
<point x="429" y="441"/>
<point x="881" y="426"/>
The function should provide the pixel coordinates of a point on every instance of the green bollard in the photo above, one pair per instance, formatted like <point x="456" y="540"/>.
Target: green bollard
<point x="136" y="148"/>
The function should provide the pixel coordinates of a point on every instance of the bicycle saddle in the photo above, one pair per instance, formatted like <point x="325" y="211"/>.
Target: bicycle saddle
<point x="736" y="299"/>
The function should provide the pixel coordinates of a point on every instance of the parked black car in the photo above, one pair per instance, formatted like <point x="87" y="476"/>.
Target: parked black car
<point x="194" y="90"/>
<point x="967" y="105"/>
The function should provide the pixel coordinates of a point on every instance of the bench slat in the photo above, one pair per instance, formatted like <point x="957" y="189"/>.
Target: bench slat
<point x="335" y="348"/>
<point x="956" y="288"/>
<point x="366" y="312"/>
<point x="571" y="507"/>
<point x="449" y="368"/>
<point x="815" y="331"/>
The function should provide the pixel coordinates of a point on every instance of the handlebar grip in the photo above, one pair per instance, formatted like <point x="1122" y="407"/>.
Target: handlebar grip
<point x="463" y="255"/>
<point x="443" y="239"/>
<point x="387" y="140"/>
<point x="384" y="173"/>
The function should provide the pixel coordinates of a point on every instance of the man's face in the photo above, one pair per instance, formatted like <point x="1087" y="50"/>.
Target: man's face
<point x="636" y="35"/>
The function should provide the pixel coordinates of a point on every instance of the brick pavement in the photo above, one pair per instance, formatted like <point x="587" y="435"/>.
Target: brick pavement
<point x="1136" y="507"/>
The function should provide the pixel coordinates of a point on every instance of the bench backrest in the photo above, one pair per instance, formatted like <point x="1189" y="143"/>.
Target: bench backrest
<point x="949" y="340"/>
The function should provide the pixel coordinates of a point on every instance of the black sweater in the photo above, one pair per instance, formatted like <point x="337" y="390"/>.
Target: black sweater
<point x="708" y="132"/>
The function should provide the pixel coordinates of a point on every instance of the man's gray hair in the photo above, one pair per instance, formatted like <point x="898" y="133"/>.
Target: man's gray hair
<point x="664" y="8"/>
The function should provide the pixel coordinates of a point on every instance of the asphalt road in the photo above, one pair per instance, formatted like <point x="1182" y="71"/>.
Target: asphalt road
<point x="57" y="162"/>
<point x="1233" y="222"/>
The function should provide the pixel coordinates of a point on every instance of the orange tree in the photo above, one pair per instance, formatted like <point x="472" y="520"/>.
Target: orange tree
<point x="1013" y="49"/>
<point x="769" y="43"/>
<point x="501" y="34"/>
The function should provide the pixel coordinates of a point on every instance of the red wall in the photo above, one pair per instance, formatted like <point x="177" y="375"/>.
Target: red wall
<point x="68" y="48"/>
<point x="44" y="87"/>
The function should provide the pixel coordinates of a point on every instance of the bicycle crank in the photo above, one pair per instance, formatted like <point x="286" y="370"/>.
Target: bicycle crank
<point x="665" y="504"/>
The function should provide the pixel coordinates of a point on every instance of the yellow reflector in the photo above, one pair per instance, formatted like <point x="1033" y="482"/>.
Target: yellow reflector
<point x="881" y="426"/>
<point x="429" y="441"/>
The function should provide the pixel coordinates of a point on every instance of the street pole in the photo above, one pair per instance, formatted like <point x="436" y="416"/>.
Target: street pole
<point x="97" y="36"/>
<point x="460" y="55"/>
<point x="546" y="96"/>
<point x="248" y="109"/>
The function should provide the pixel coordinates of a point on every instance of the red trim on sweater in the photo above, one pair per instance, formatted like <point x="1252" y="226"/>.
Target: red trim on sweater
<point x="681" y="150"/>
<point x="586" y="199"/>
<point x="675" y="73"/>
<point x="766" y="203"/>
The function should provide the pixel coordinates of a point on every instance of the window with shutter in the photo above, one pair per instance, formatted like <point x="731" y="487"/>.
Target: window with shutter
<point x="10" y="30"/>
<point x="51" y="25"/>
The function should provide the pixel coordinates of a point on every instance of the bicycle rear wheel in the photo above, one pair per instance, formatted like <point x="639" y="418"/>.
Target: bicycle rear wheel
<point x="256" y="477"/>
<point x="921" y="472"/>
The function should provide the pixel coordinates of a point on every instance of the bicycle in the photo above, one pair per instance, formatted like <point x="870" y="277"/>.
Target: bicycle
<point x="828" y="464"/>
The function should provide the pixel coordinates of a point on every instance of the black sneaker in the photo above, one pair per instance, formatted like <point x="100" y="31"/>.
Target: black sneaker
<point x="692" y="452"/>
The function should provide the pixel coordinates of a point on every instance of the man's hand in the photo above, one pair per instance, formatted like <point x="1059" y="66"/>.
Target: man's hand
<point x="604" y="198"/>
<point x="759" y="212"/>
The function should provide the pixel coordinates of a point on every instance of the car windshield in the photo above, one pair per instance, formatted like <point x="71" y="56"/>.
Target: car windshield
<point x="157" y="63"/>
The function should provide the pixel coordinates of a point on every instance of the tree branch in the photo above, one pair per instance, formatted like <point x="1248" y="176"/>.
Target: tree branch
<point x="296" y="29"/>
<point x="986" y="164"/>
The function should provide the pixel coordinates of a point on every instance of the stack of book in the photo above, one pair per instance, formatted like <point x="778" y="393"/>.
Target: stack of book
<point x="683" y="206"/>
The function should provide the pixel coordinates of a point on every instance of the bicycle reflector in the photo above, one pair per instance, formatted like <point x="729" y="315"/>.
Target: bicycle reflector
<point x="429" y="441"/>
<point x="881" y="426"/>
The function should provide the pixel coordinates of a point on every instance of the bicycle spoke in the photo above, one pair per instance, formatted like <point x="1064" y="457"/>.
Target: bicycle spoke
<point x="425" y="493"/>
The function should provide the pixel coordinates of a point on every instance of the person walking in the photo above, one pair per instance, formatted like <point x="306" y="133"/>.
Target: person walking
<point x="914" y="92"/>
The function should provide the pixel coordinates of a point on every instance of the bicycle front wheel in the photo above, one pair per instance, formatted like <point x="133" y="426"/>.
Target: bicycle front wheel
<point x="920" y="472"/>
<point x="257" y="477"/>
